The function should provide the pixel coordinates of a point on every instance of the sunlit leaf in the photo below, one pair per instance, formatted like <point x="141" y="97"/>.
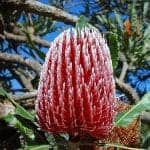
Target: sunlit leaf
<point x="125" y="118"/>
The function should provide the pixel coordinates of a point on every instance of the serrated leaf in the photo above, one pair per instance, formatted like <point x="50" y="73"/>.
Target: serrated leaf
<point x="37" y="147"/>
<point x="126" y="118"/>
<point x="114" y="48"/>
<point x="134" y="17"/>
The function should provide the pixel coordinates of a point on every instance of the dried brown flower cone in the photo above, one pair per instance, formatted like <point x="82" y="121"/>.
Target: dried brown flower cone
<point x="128" y="136"/>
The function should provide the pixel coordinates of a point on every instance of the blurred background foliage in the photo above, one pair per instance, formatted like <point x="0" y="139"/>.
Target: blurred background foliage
<point x="124" y="23"/>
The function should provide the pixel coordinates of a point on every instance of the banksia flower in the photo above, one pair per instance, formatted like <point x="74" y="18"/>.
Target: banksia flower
<point x="76" y="93"/>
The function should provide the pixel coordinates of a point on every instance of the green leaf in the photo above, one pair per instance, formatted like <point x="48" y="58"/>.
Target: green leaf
<point x="37" y="147"/>
<point x="114" y="48"/>
<point x="125" y="118"/>
<point x="134" y="17"/>
<point x="27" y="132"/>
<point x="19" y="109"/>
<point x="119" y="20"/>
<point x="145" y="135"/>
<point x="10" y="119"/>
<point x="30" y="131"/>
<point x="23" y="113"/>
<point x="2" y="92"/>
<point x="145" y="9"/>
<point x="82" y="22"/>
<point x="102" y="19"/>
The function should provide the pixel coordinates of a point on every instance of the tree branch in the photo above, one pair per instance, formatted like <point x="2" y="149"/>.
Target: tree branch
<point x="26" y="82"/>
<point x="128" y="90"/>
<point x="25" y="96"/>
<point x="23" y="39"/>
<point x="27" y="100"/>
<point x="32" y="6"/>
<point x="17" y="59"/>
<point x="124" y="67"/>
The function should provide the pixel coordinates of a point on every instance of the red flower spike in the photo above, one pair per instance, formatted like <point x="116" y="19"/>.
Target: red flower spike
<point x="76" y="93"/>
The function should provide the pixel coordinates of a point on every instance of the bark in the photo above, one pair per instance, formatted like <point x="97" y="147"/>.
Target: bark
<point x="23" y="39"/>
<point x="25" y="96"/>
<point x="128" y="90"/>
<point x="36" y="7"/>
<point x="26" y="82"/>
<point x="124" y="66"/>
<point x="17" y="59"/>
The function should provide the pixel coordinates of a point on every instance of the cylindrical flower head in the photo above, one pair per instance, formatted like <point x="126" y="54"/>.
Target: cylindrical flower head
<point x="76" y="93"/>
